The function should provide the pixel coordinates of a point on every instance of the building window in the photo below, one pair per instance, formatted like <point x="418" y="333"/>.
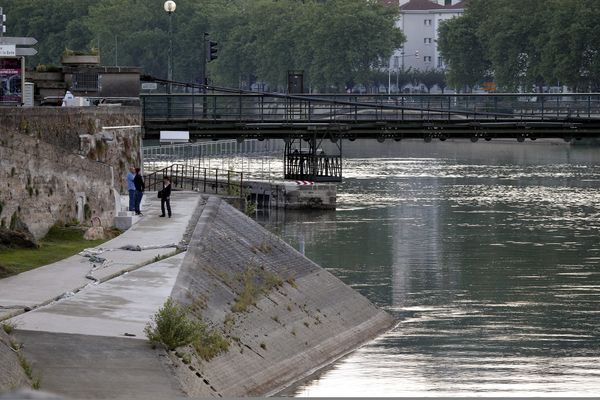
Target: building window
<point x="427" y="22"/>
<point x="448" y="2"/>
<point x="85" y="81"/>
<point x="440" y="62"/>
<point x="427" y="40"/>
<point x="427" y="59"/>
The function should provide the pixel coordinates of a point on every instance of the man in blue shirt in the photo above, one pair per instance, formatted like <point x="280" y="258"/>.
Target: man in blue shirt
<point x="131" y="188"/>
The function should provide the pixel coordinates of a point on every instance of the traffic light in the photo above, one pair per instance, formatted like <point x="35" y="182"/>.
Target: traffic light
<point x="211" y="51"/>
<point x="416" y="53"/>
<point x="2" y="21"/>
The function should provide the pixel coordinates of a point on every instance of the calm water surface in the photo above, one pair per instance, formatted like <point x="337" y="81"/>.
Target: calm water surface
<point x="488" y="255"/>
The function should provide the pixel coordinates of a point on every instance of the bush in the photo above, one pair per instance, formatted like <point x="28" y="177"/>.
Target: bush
<point x="171" y="327"/>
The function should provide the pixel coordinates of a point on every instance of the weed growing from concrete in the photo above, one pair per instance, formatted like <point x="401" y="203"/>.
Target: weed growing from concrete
<point x="250" y="209"/>
<point x="292" y="283"/>
<point x="255" y="282"/>
<point x="228" y="322"/>
<point x="210" y="344"/>
<point x="8" y="327"/>
<point x="171" y="327"/>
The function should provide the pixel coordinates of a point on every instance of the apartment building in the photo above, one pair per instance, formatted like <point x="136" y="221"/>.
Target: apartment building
<point x="420" y="20"/>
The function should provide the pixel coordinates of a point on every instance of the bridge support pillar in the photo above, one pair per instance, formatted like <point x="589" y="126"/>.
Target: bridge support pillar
<point x="306" y="160"/>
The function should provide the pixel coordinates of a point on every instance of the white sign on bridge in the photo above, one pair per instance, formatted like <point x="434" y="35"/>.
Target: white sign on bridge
<point x="174" y="136"/>
<point x="8" y="50"/>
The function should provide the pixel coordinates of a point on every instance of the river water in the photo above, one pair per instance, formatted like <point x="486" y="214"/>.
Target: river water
<point x="487" y="253"/>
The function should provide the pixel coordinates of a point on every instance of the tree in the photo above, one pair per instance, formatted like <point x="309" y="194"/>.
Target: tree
<point x="463" y="52"/>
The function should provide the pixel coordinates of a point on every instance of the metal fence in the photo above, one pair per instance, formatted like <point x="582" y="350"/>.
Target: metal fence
<point x="205" y="180"/>
<point x="200" y="154"/>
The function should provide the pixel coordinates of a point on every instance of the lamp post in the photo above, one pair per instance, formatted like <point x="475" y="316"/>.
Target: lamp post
<point x="170" y="7"/>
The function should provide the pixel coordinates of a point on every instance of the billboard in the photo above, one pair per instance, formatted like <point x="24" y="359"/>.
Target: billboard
<point x="11" y="80"/>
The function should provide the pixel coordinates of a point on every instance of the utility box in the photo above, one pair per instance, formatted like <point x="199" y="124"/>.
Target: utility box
<point x="28" y="94"/>
<point x="295" y="82"/>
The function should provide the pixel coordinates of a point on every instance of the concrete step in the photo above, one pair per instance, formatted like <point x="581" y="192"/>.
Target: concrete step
<point x="126" y="213"/>
<point x="124" y="222"/>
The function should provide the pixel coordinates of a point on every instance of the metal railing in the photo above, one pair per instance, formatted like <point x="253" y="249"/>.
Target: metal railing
<point x="205" y="180"/>
<point x="263" y="108"/>
<point x="157" y="157"/>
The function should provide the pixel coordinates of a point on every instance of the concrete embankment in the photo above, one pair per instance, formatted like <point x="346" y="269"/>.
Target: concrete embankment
<point x="284" y="317"/>
<point x="304" y="323"/>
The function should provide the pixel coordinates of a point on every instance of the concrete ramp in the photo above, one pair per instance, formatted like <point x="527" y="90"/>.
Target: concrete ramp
<point x="94" y="367"/>
<point x="304" y="318"/>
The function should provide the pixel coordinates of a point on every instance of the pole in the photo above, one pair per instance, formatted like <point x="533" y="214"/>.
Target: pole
<point x="390" y="76"/>
<point x="170" y="70"/>
<point x="2" y="20"/>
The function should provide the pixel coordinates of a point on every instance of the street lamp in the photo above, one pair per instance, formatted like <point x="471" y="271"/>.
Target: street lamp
<point x="170" y="7"/>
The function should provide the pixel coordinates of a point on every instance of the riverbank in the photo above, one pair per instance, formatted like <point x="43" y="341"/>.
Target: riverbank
<point x="91" y="343"/>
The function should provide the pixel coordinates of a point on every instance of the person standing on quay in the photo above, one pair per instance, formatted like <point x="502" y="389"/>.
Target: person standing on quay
<point x="165" y="198"/>
<point x="131" y="188"/>
<point x="139" y="190"/>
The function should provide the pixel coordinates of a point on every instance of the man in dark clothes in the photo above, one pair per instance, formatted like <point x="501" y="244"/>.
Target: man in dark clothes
<point x="165" y="198"/>
<point x="138" y="181"/>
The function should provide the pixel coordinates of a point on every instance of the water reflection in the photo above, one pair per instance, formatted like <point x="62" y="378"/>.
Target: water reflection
<point x="488" y="255"/>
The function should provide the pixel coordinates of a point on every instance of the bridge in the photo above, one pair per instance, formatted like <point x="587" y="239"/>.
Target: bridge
<point x="305" y="121"/>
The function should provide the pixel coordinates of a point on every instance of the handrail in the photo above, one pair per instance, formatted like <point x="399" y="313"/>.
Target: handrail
<point x="493" y="106"/>
<point x="205" y="180"/>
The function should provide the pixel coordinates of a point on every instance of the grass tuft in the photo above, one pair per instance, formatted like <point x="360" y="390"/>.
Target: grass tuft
<point x="255" y="282"/>
<point x="8" y="327"/>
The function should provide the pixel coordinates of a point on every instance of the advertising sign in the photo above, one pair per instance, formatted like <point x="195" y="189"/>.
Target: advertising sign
<point x="11" y="80"/>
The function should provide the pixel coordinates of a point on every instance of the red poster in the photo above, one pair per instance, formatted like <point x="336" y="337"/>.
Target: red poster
<point x="10" y="80"/>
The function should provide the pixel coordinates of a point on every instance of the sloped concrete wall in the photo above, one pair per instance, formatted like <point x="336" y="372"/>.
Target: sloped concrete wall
<point x="308" y="321"/>
<point x="11" y="374"/>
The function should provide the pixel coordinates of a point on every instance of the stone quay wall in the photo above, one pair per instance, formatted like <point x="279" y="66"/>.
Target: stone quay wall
<point x="63" y="164"/>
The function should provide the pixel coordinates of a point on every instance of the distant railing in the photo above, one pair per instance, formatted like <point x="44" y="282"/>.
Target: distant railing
<point x="157" y="157"/>
<point x="205" y="180"/>
<point x="262" y="108"/>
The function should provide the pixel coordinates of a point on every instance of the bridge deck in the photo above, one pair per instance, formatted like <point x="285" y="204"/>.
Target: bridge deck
<point x="261" y="115"/>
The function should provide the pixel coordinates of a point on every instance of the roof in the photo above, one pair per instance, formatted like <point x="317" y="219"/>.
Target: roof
<point x="421" y="5"/>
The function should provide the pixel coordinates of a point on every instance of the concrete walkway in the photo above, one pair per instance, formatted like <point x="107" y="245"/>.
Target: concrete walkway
<point x="120" y="307"/>
<point x="43" y="285"/>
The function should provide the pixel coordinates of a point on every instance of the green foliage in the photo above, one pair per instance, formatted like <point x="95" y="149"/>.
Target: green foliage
<point x="8" y="327"/>
<point x="92" y="52"/>
<point x="255" y="282"/>
<point x="524" y="44"/>
<point x="171" y="327"/>
<point x="211" y="344"/>
<point x="336" y="42"/>
<point x="59" y="243"/>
